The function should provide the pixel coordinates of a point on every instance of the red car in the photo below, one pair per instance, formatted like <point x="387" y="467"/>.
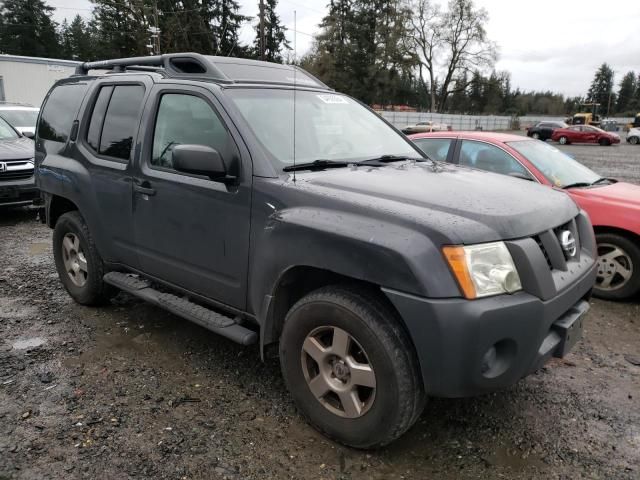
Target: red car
<point x="614" y="207"/>
<point x="584" y="134"/>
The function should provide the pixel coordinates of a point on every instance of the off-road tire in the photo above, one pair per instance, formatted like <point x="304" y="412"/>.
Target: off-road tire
<point x="399" y="396"/>
<point x="95" y="291"/>
<point x="632" y="287"/>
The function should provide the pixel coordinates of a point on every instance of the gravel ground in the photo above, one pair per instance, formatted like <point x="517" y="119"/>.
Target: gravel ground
<point x="130" y="391"/>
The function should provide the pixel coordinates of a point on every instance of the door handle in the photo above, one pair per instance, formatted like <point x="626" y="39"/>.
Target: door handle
<point x="144" y="188"/>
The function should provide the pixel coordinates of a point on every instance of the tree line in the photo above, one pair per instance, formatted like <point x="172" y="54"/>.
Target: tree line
<point x="125" y="28"/>
<point x="385" y="52"/>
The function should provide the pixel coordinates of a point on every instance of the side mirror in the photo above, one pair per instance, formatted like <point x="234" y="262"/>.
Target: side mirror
<point x="30" y="135"/>
<point x="199" y="160"/>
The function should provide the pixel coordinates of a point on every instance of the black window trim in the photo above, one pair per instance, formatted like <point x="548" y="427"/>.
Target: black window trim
<point x="86" y="119"/>
<point x="151" y="132"/>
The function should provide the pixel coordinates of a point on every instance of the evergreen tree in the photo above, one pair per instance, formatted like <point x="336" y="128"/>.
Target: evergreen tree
<point x="226" y="24"/>
<point x="274" y="36"/>
<point x="76" y="40"/>
<point x="121" y="28"/>
<point x="27" y="29"/>
<point x="626" y="93"/>
<point x="601" y="87"/>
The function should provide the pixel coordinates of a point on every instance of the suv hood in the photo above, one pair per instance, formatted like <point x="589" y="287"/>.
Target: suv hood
<point x="19" y="149"/>
<point x="462" y="204"/>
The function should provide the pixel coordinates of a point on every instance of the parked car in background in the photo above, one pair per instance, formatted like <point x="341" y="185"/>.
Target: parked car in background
<point x="543" y="130"/>
<point x="584" y="134"/>
<point x="22" y="117"/>
<point x="17" y="184"/>
<point x="614" y="207"/>
<point x="428" y="126"/>
<point x="633" y="137"/>
<point x="380" y="278"/>
<point x="609" y="125"/>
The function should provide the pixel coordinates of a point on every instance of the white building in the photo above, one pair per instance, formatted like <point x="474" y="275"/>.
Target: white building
<point x="28" y="79"/>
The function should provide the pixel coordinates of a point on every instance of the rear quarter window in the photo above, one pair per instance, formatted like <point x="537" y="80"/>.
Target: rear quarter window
<point x="59" y="112"/>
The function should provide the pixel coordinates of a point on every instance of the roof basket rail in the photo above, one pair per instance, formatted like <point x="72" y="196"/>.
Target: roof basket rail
<point x="172" y="64"/>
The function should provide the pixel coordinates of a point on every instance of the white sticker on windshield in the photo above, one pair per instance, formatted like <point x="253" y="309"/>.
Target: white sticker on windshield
<point x="332" y="99"/>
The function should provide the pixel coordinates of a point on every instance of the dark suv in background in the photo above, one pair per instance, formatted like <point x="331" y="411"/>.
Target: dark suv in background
<point x="252" y="199"/>
<point x="544" y="130"/>
<point x="17" y="183"/>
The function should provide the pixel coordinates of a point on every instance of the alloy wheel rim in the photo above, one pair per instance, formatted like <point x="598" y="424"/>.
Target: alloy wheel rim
<point x="338" y="372"/>
<point x="615" y="267"/>
<point x="74" y="260"/>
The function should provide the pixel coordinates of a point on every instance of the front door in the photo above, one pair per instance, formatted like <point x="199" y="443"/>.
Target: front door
<point x="191" y="231"/>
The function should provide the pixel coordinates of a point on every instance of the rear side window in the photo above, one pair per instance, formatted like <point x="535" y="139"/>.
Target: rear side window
<point x="60" y="111"/>
<point x="114" y="120"/>
<point x="97" y="117"/>
<point x="435" y="148"/>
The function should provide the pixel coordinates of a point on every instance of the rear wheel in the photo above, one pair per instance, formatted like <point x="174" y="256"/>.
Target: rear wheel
<point x="79" y="265"/>
<point x="618" y="267"/>
<point x="604" y="142"/>
<point x="563" y="140"/>
<point x="350" y="367"/>
<point x="634" y="140"/>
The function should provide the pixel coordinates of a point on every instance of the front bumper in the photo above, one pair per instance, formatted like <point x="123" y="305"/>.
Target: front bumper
<point x="454" y="337"/>
<point x="18" y="192"/>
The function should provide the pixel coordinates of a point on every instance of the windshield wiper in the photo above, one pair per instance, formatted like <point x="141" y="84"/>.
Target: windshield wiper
<point x="319" y="164"/>
<point x="577" y="184"/>
<point x="602" y="180"/>
<point x="390" y="158"/>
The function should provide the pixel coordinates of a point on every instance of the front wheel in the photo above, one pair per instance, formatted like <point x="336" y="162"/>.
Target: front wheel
<point x="618" y="267"/>
<point x="536" y="135"/>
<point x="563" y="141"/>
<point x="604" y="142"/>
<point x="79" y="265"/>
<point x="350" y="367"/>
<point x="634" y="140"/>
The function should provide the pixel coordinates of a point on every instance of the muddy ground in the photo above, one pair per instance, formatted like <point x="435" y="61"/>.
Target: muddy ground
<point x="130" y="391"/>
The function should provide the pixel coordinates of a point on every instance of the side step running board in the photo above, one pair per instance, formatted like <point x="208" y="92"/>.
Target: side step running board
<point x="209" y="319"/>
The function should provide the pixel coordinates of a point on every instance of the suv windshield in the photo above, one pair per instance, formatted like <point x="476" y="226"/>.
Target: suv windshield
<point x="559" y="168"/>
<point x="20" y="118"/>
<point x="6" y="132"/>
<point x="329" y="126"/>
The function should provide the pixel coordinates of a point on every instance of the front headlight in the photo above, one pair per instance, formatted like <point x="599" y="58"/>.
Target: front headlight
<point x="483" y="270"/>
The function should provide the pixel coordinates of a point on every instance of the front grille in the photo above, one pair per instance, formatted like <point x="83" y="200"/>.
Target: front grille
<point x="544" y="251"/>
<point x="552" y="249"/>
<point x="16" y="170"/>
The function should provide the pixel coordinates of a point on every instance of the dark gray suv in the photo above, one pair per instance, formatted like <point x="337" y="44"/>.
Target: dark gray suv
<point x="252" y="199"/>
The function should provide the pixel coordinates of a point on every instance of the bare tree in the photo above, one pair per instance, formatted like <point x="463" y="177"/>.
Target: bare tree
<point x="466" y="44"/>
<point x="449" y="44"/>
<point x="426" y="40"/>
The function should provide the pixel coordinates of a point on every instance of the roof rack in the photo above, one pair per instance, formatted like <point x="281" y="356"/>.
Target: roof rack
<point x="220" y="69"/>
<point x="173" y="64"/>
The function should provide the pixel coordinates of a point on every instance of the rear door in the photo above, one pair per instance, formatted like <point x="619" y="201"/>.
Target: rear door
<point x="107" y="140"/>
<point x="191" y="231"/>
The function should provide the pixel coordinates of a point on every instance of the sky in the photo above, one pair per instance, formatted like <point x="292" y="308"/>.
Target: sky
<point x="546" y="44"/>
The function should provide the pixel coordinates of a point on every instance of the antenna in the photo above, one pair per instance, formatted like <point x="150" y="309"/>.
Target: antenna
<point x="295" y="69"/>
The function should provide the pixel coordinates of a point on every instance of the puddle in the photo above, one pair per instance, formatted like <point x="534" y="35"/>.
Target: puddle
<point x="28" y="343"/>
<point x="504" y="457"/>
<point x="38" y="248"/>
